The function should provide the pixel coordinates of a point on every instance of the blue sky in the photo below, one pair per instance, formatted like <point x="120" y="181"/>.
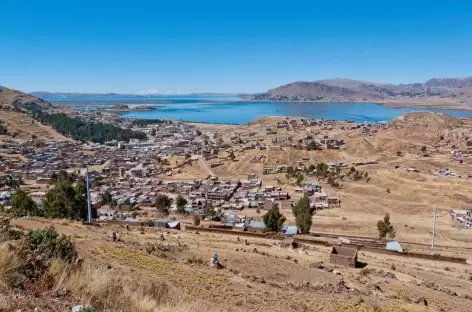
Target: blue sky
<point x="227" y="46"/>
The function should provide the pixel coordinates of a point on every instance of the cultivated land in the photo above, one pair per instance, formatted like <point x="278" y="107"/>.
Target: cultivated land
<point x="262" y="276"/>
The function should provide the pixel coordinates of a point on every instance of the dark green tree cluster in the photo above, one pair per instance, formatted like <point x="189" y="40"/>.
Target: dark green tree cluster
<point x="274" y="219"/>
<point x="303" y="214"/>
<point x="79" y="129"/>
<point x="64" y="176"/>
<point x="147" y="122"/>
<point x="67" y="200"/>
<point x="22" y="205"/>
<point x="11" y="181"/>
<point x="385" y="228"/>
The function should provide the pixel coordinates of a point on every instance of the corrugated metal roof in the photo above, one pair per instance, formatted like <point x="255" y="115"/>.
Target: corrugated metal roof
<point x="394" y="245"/>
<point x="256" y="224"/>
<point x="291" y="230"/>
<point x="173" y="224"/>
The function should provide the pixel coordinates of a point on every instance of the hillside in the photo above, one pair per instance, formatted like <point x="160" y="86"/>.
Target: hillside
<point x="10" y="98"/>
<point x="24" y="117"/>
<point x="446" y="92"/>
<point x="19" y="126"/>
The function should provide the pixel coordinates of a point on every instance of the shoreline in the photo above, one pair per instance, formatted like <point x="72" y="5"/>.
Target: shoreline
<point x="389" y="103"/>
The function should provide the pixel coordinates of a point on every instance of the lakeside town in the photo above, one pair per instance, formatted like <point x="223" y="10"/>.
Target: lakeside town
<point x="337" y="203"/>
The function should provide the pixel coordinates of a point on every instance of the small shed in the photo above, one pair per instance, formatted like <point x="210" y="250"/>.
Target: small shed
<point x="160" y="224"/>
<point x="394" y="246"/>
<point x="174" y="225"/>
<point x="253" y="224"/>
<point x="291" y="230"/>
<point x="343" y="256"/>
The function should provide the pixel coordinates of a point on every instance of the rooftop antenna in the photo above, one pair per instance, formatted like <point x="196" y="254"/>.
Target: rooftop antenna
<point x="89" y="206"/>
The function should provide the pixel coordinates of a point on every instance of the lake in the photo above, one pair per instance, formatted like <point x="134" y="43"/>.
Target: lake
<point x="232" y="110"/>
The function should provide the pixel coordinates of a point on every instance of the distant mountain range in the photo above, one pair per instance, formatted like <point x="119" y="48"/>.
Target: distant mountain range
<point x="456" y="90"/>
<point x="66" y="95"/>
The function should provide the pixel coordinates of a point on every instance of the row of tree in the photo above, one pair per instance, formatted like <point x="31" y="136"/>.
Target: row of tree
<point x="83" y="130"/>
<point x="274" y="219"/>
<point x="11" y="181"/>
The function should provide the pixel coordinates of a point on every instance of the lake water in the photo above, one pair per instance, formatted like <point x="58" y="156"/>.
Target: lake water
<point x="232" y="110"/>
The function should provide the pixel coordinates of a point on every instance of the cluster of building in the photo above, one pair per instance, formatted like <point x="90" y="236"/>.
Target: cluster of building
<point x="462" y="217"/>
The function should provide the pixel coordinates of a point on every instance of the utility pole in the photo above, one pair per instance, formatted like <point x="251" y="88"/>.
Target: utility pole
<point x="89" y="206"/>
<point x="435" y="211"/>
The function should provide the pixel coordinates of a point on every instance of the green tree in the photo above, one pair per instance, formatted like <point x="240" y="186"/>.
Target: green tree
<point x="290" y="170"/>
<point x="22" y="205"/>
<point x="322" y="170"/>
<point x="67" y="201"/>
<point x="106" y="198"/>
<point x="311" y="168"/>
<point x="163" y="203"/>
<point x="274" y="219"/>
<point x="300" y="179"/>
<point x="209" y="210"/>
<point x="303" y="214"/>
<point x="385" y="227"/>
<point x="181" y="202"/>
<point x="80" y="129"/>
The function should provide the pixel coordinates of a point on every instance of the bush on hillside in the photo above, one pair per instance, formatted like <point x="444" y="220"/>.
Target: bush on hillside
<point x="51" y="245"/>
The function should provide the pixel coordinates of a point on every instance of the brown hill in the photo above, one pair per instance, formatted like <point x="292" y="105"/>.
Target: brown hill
<point x="427" y="119"/>
<point x="10" y="99"/>
<point x="430" y="93"/>
<point x="19" y="125"/>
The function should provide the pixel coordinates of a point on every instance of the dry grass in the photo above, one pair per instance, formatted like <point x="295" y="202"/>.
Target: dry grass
<point x="9" y="262"/>
<point x="110" y="290"/>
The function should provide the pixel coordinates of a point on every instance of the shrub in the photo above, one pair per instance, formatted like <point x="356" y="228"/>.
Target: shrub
<point x="399" y="153"/>
<point x="51" y="245"/>
<point x="303" y="214"/>
<point x="196" y="220"/>
<point x="273" y="219"/>
<point x="384" y="227"/>
<point x="22" y="205"/>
